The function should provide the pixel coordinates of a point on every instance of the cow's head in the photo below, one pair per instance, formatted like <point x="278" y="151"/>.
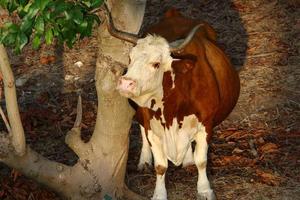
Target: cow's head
<point x="149" y="59"/>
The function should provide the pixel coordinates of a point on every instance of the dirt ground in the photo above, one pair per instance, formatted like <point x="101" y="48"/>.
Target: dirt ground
<point x="254" y="154"/>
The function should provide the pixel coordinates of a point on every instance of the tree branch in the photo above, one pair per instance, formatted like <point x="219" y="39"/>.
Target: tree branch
<point x="5" y="121"/>
<point x="73" y="137"/>
<point x="33" y="165"/>
<point x="17" y="131"/>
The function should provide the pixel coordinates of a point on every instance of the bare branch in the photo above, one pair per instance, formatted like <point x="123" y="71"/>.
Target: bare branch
<point x="17" y="131"/>
<point x="5" y="120"/>
<point x="73" y="137"/>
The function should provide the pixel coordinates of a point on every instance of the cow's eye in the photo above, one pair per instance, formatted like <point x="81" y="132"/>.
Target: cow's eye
<point x="156" y="65"/>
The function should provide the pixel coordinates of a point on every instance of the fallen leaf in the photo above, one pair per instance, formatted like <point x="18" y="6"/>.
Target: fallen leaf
<point x="233" y="160"/>
<point x="268" y="178"/>
<point x="237" y="151"/>
<point x="268" y="148"/>
<point x="44" y="60"/>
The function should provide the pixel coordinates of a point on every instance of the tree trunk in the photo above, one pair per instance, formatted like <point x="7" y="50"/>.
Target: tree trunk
<point x="112" y="57"/>
<point x="101" y="167"/>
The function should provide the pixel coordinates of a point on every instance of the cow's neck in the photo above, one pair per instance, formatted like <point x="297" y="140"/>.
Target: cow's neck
<point x="151" y="100"/>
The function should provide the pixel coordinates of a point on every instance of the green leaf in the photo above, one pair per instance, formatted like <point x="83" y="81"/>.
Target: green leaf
<point x="11" y="27"/>
<point x="96" y="3"/>
<point x="32" y="11"/>
<point x="87" y="3"/>
<point x="21" y="40"/>
<point x="39" y="25"/>
<point x="68" y="14"/>
<point x="49" y="36"/>
<point x="82" y="27"/>
<point x="77" y="16"/>
<point x="42" y="4"/>
<point x="26" y="8"/>
<point x="10" y="39"/>
<point x="58" y="7"/>
<point x="26" y="25"/>
<point x="56" y="30"/>
<point x="12" y="6"/>
<point x="36" y="42"/>
<point x="23" y="2"/>
<point x="3" y="3"/>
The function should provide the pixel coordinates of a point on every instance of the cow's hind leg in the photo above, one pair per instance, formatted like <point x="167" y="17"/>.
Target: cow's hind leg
<point x="146" y="155"/>
<point x="161" y="165"/>
<point x="200" y="157"/>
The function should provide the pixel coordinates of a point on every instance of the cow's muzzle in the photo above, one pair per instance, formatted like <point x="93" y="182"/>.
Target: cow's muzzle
<point x="127" y="86"/>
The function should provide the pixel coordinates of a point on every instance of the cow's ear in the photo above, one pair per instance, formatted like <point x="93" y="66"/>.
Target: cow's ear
<point x="183" y="63"/>
<point x="182" y="66"/>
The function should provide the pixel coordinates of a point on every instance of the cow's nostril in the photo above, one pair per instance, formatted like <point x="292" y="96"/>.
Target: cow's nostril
<point x="131" y="84"/>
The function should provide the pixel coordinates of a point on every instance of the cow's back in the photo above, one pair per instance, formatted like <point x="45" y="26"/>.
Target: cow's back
<point x="174" y="26"/>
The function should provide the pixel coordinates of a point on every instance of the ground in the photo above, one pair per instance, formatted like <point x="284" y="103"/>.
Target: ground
<point x="254" y="153"/>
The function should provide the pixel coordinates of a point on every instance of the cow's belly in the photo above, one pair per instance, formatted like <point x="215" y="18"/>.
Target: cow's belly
<point x="176" y="140"/>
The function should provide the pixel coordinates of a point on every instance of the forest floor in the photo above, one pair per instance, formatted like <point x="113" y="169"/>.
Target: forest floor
<point x="254" y="154"/>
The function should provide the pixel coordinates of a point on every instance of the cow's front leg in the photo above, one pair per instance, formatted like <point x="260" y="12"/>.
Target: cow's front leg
<point x="200" y="157"/>
<point x="146" y="155"/>
<point x="161" y="165"/>
<point x="188" y="158"/>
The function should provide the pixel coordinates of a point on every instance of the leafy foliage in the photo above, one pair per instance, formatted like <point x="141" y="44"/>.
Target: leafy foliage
<point x="44" y="20"/>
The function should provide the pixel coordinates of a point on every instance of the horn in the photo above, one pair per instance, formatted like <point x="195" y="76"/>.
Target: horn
<point x="129" y="37"/>
<point x="180" y="44"/>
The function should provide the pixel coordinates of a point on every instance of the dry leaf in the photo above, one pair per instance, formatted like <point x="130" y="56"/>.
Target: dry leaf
<point x="233" y="160"/>
<point x="268" y="148"/>
<point x="268" y="178"/>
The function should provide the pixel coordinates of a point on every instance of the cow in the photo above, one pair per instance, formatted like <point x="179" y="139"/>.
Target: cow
<point x="184" y="85"/>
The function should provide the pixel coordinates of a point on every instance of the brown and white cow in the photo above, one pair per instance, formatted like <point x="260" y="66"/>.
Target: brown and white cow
<point x="183" y="87"/>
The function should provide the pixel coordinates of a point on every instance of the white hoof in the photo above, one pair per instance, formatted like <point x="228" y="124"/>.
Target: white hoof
<point x="207" y="195"/>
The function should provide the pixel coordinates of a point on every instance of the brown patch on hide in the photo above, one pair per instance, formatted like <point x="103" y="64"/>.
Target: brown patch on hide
<point x="160" y="170"/>
<point x="194" y="123"/>
<point x="202" y="165"/>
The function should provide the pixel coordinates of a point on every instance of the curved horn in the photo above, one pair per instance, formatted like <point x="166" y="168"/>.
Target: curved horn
<point x="180" y="44"/>
<point x="129" y="37"/>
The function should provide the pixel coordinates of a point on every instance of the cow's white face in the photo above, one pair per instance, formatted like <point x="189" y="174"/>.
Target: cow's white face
<point x="150" y="58"/>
